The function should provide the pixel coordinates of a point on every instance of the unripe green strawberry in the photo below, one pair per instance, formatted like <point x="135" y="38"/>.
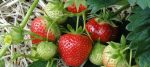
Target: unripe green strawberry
<point x="96" y="54"/>
<point x="17" y="35"/>
<point x="55" y="12"/>
<point x="113" y="56"/>
<point x="46" y="50"/>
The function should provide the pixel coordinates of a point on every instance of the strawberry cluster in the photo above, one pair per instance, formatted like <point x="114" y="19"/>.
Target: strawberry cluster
<point x="78" y="44"/>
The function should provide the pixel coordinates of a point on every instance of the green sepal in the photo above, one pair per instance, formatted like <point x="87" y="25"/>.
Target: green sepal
<point x="68" y="3"/>
<point x="114" y="45"/>
<point x="70" y="28"/>
<point x="79" y="30"/>
<point x="123" y="40"/>
<point x="78" y="2"/>
<point x="115" y="56"/>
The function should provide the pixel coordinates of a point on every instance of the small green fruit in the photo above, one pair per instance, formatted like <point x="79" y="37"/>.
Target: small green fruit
<point x="55" y="11"/>
<point x="46" y="50"/>
<point x="96" y="54"/>
<point x="17" y="35"/>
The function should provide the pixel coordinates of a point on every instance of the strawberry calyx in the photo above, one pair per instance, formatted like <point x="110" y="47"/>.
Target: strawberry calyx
<point x="104" y="17"/>
<point x="104" y="21"/>
<point x="119" y="50"/>
<point x="73" y="31"/>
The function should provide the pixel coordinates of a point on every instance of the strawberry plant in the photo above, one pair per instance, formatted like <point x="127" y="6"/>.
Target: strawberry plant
<point x="76" y="33"/>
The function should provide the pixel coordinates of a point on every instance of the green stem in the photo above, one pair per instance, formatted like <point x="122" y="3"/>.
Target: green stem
<point x="29" y="56"/>
<point x="77" y="23"/>
<point x="119" y="11"/>
<point x="48" y="64"/>
<point x="130" y="61"/>
<point x="125" y="49"/>
<point x="51" y="63"/>
<point x="25" y="20"/>
<point x="3" y="50"/>
<point x="49" y="29"/>
<point x="84" y="21"/>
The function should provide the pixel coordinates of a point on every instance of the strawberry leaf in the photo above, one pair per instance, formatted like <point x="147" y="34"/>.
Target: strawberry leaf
<point x="96" y="5"/>
<point x="139" y="18"/>
<point x="38" y="63"/>
<point x="142" y="3"/>
<point x="139" y="35"/>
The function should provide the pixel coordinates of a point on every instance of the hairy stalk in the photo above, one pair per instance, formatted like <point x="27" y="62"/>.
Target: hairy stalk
<point x="48" y="63"/>
<point x="29" y="56"/>
<point x="77" y="23"/>
<point x="25" y="20"/>
<point x="125" y="49"/>
<point x="130" y="61"/>
<point x="52" y="60"/>
<point x="49" y="30"/>
<point x="3" y="50"/>
<point x="84" y="22"/>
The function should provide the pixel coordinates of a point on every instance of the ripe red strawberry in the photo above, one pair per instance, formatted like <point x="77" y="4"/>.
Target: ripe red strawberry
<point x="72" y="7"/>
<point x="100" y="30"/>
<point x="40" y="26"/>
<point x="74" y="48"/>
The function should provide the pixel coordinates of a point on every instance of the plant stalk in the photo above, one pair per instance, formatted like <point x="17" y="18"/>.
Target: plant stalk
<point x="130" y="60"/>
<point x="84" y="21"/>
<point x="77" y="23"/>
<point x="3" y="50"/>
<point x="25" y="20"/>
<point x="84" y="29"/>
